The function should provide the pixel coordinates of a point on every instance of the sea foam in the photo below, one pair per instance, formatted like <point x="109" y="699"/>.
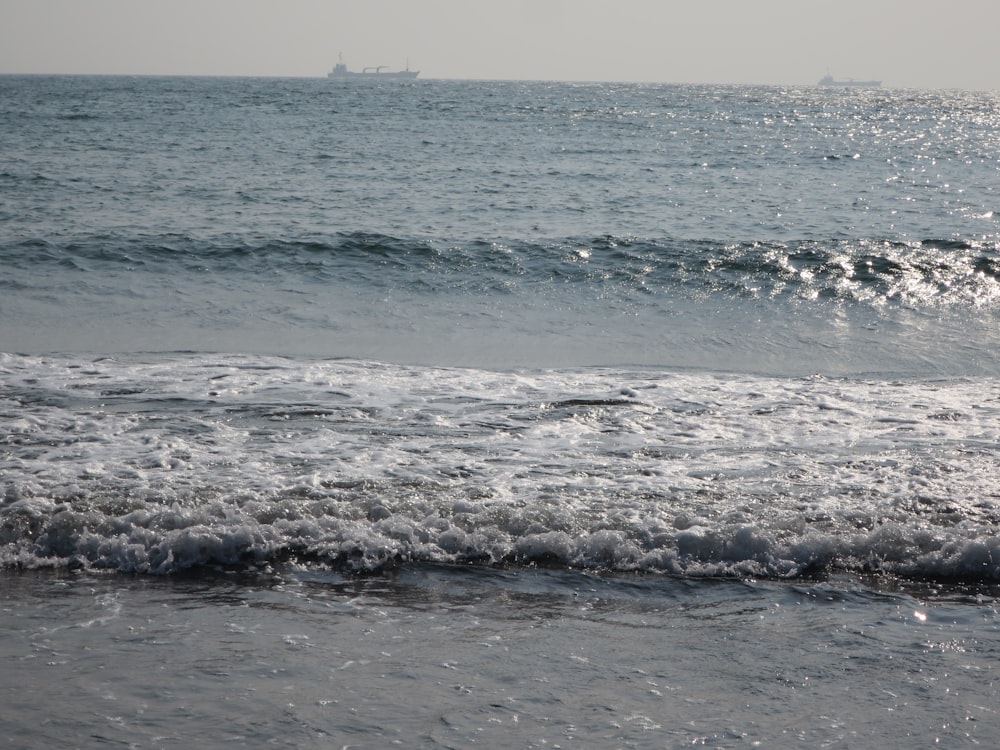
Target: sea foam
<point x="239" y="461"/>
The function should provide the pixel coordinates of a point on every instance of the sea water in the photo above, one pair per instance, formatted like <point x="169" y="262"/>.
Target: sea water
<point x="443" y="413"/>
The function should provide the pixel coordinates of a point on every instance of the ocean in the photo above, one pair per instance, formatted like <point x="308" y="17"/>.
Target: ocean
<point x="497" y="414"/>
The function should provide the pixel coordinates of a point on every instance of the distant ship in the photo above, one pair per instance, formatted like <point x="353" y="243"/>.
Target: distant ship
<point x="378" y="71"/>
<point x="827" y="80"/>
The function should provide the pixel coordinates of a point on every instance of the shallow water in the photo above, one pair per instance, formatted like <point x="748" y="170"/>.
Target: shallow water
<point x="453" y="657"/>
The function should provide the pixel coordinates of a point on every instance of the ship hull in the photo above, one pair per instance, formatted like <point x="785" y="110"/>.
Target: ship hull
<point x="849" y="83"/>
<point x="400" y="74"/>
<point x="341" y="72"/>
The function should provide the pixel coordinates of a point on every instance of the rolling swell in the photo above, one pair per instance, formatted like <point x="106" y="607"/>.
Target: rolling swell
<point x="881" y="273"/>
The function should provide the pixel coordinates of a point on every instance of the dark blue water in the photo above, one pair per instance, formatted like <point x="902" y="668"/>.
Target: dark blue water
<point x="503" y="224"/>
<point x="586" y="349"/>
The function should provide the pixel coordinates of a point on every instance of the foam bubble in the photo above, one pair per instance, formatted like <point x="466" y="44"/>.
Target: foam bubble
<point x="172" y="463"/>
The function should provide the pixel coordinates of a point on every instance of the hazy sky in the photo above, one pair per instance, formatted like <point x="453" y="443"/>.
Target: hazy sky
<point x="909" y="43"/>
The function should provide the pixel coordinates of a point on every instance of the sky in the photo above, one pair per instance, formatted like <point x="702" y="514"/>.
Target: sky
<point x="905" y="43"/>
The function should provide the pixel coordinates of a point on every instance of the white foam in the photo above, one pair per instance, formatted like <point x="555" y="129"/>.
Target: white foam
<point x="180" y="462"/>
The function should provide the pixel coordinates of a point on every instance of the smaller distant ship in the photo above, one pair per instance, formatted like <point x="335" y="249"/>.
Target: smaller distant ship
<point x="377" y="71"/>
<point x="828" y="80"/>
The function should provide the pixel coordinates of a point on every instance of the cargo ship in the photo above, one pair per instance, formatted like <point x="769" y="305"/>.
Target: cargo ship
<point x="828" y="80"/>
<point x="377" y="71"/>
